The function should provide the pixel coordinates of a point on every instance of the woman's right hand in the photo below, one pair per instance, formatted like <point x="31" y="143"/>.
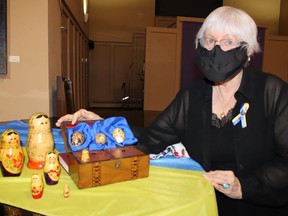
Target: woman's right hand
<point x="80" y="115"/>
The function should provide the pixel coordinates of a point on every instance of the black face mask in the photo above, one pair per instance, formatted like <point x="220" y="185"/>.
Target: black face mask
<point x="217" y="65"/>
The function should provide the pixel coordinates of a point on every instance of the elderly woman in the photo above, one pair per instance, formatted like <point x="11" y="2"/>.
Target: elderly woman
<point x="234" y="122"/>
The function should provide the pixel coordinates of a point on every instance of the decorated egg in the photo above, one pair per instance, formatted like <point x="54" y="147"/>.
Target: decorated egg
<point x="85" y="157"/>
<point x="118" y="135"/>
<point x="77" y="139"/>
<point x="100" y="138"/>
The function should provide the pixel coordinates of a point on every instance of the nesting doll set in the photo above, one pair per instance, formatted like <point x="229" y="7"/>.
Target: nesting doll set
<point x="40" y="152"/>
<point x="39" y="140"/>
<point x="11" y="153"/>
<point x="103" y="152"/>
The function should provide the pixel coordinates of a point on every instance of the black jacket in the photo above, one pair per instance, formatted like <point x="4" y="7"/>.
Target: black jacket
<point x="261" y="149"/>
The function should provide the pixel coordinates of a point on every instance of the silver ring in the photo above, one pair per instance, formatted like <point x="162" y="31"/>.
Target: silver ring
<point x="226" y="185"/>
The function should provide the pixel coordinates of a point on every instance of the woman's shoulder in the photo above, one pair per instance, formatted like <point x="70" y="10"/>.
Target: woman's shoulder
<point x="267" y="78"/>
<point x="270" y="77"/>
<point x="273" y="81"/>
<point x="273" y="85"/>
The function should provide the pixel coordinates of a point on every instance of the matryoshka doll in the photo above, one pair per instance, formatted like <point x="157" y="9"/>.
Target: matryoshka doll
<point x="52" y="168"/>
<point x="37" y="185"/>
<point x="39" y="140"/>
<point x="11" y="153"/>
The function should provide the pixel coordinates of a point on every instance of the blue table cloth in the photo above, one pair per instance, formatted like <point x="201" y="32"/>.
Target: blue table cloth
<point x="22" y="128"/>
<point x="167" y="161"/>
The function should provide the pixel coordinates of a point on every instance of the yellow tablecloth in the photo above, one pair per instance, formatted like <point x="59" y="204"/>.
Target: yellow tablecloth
<point x="167" y="191"/>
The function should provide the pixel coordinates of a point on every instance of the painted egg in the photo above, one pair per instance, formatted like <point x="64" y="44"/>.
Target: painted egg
<point x="118" y="135"/>
<point x="77" y="139"/>
<point x="100" y="138"/>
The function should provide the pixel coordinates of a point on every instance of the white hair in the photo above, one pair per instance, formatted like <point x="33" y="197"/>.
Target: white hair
<point x="232" y="21"/>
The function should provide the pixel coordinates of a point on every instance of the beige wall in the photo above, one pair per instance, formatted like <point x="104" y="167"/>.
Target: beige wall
<point x="265" y="12"/>
<point x="115" y="20"/>
<point x="25" y="89"/>
<point x="54" y="52"/>
<point x="34" y="35"/>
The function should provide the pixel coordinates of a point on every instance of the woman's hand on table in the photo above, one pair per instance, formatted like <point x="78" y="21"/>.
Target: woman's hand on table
<point x="225" y="182"/>
<point x="80" y="115"/>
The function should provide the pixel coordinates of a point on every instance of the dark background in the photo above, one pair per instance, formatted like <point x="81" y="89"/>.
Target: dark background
<point x="189" y="8"/>
<point x="3" y="41"/>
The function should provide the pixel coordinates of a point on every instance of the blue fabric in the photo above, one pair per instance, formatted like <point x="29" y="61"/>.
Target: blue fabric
<point x="104" y="126"/>
<point x="168" y="161"/>
<point x="22" y="128"/>
<point x="179" y="163"/>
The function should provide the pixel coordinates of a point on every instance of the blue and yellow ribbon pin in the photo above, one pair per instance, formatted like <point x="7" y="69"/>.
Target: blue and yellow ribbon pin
<point x="241" y="116"/>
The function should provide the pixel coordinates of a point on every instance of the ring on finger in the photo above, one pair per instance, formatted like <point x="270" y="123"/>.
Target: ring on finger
<point x="226" y="185"/>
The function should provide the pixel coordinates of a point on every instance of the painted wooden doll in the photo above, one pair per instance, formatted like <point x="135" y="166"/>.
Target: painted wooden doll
<point x="11" y="153"/>
<point x="37" y="185"/>
<point x="39" y="140"/>
<point x="66" y="191"/>
<point x="85" y="157"/>
<point x="52" y="168"/>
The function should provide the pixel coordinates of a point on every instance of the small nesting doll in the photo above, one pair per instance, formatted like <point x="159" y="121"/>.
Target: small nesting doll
<point x="37" y="185"/>
<point x="118" y="135"/>
<point x="39" y="140"/>
<point x="85" y="157"/>
<point x="52" y="168"/>
<point x="11" y="153"/>
<point x="66" y="191"/>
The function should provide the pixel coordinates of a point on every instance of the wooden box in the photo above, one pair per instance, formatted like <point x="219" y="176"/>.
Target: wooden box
<point x="106" y="166"/>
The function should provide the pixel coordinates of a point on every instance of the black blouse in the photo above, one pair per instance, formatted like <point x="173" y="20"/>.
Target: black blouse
<point x="261" y="149"/>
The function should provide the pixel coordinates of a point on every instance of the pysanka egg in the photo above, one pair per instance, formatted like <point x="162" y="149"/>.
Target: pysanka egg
<point x="118" y="135"/>
<point x="100" y="138"/>
<point x="77" y="139"/>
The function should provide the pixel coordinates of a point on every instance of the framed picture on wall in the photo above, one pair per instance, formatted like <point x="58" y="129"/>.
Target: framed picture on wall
<point x="3" y="37"/>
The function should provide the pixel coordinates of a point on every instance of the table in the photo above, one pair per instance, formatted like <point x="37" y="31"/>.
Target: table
<point x="167" y="191"/>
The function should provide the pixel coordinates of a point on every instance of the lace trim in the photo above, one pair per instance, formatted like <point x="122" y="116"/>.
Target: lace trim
<point x="217" y="122"/>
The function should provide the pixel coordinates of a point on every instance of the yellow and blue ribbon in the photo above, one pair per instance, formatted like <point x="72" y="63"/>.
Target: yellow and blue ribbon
<point x="241" y="116"/>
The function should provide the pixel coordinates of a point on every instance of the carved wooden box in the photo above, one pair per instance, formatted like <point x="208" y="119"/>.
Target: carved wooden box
<point x="106" y="166"/>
